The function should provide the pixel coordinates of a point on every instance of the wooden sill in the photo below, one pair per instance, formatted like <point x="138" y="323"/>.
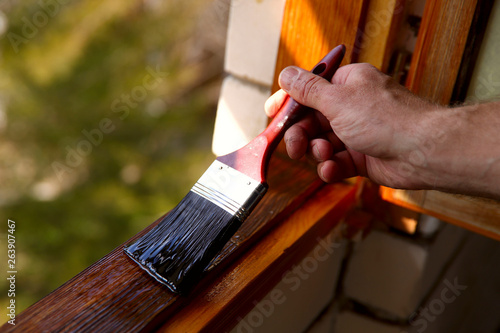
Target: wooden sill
<point x="115" y="295"/>
<point x="476" y="214"/>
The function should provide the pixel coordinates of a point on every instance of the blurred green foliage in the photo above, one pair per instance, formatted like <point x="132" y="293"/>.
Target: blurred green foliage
<point x="92" y="60"/>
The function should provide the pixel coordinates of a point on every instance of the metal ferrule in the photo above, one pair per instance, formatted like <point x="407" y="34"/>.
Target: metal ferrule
<point x="229" y="189"/>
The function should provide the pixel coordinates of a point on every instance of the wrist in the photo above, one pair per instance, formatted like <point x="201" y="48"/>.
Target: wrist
<point x="459" y="150"/>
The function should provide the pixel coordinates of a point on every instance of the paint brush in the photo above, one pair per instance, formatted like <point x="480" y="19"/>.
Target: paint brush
<point x="182" y="245"/>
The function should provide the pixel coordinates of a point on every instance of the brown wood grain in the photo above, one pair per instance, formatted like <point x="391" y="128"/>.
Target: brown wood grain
<point x="475" y="214"/>
<point x="252" y="276"/>
<point x="383" y="19"/>
<point x="440" y="46"/>
<point x="312" y="28"/>
<point x="115" y="295"/>
<point x="472" y="48"/>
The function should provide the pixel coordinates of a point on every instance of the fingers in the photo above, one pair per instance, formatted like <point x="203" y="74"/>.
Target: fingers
<point x="306" y="88"/>
<point x="320" y="149"/>
<point x="296" y="141"/>
<point x="314" y="134"/>
<point x="275" y="102"/>
<point x="339" y="167"/>
<point x="298" y="137"/>
<point x="324" y="148"/>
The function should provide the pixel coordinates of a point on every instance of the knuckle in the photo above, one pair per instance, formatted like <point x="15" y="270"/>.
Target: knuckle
<point x="366" y="71"/>
<point x="308" y="88"/>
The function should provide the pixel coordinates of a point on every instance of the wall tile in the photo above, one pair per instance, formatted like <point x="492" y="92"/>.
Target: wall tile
<point x="253" y="39"/>
<point x="294" y="303"/>
<point x="240" y="115"/>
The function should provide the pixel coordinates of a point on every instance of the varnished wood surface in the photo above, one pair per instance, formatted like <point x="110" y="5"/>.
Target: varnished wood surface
<point x="476" y="214"/>
<point x="440" y="46"/>
<point x="383" y="20"/>
<point x="435" y="65"/>
<point x="252" y="276"/>
<point x="311" y="28"/>
<point x="115" y="295"/>
<point x="472" y="48"/>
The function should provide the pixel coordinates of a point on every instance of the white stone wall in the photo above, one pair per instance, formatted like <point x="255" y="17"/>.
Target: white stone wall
<point x="251" y="51"/>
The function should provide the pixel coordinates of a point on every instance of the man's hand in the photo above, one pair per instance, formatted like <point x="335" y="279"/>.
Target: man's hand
<point x="367" y="124"/>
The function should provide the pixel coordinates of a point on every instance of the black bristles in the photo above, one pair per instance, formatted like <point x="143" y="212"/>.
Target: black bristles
<point x="182" y="245"/>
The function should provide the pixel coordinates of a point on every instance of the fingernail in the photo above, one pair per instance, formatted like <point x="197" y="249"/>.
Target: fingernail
<point x="320" y="172"/>
<point x="287" y="76"/>
<point x="318" y="156"/>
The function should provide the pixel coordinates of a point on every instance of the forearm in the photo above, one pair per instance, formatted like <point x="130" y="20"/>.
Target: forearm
<point x="460" y="150"/>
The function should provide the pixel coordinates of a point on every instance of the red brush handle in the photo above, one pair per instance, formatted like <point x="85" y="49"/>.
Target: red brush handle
<point x="252" y="159"/>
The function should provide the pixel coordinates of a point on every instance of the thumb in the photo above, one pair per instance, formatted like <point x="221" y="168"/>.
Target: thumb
<point x="306" y="88"/>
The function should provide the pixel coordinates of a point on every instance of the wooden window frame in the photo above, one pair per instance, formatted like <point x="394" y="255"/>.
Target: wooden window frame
<point x="448" y="41"/>
<point x="115" y="294"/>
